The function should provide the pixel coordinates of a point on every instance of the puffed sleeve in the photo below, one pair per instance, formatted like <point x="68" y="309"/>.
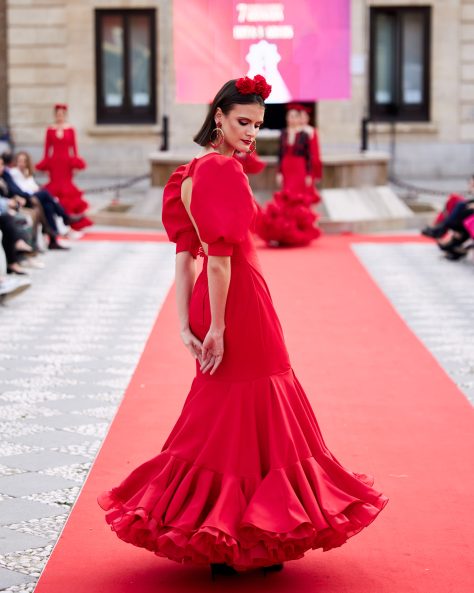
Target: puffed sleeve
<point x="76" y="161"/>
<point x="175" y="219"/>
<point x="222" y="204"/>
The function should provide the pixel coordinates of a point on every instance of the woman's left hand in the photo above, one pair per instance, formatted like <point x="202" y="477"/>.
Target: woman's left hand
<point x="193" y="344"/>
<point x="308" y="180"/>
<point x="212" y="351"/>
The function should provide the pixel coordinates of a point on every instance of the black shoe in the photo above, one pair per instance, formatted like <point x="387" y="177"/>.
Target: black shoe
<point x="272" y="568"/>
<point x="222" y="569"/>
<point x="57" y="246"/>
<point x="453" y="243"/>
<point x="18" y="272"/>
<point x="455" y="254"/>
<point x="434" y="232"/>
<point x="72" y="218"/>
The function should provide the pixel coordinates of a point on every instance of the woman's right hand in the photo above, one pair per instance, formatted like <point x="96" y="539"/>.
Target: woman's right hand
<point x="212" y="351"/>
<point x="279" y="180"/>
<point x="193" y="344"/>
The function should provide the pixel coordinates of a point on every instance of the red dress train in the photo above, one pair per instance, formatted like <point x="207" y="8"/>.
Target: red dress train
<point x="60" y="159"/>
<point x="244" y="477"/>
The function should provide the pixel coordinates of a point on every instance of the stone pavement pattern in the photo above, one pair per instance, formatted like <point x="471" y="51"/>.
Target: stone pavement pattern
<point x="434" y="298"/>
<point x="68" y="348"/>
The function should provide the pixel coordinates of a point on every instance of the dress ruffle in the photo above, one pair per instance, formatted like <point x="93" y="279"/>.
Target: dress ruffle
<point x="288" y="220"/>
<point x="190" y="513"/>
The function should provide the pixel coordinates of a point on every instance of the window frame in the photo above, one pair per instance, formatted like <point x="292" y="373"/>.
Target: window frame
<point x="397" y="110"/>
<point x="127" y="113"/>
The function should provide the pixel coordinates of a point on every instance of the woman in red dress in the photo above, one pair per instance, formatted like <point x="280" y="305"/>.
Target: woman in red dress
<point x="295" y="165"/>
<point x="244" y="479"/>
<point x="317" y="166"/>
<point x="60" y="159"/>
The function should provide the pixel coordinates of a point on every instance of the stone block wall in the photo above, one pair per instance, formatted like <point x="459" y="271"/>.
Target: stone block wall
<point x="3" y="64"/>
<point x="51" y="58"/>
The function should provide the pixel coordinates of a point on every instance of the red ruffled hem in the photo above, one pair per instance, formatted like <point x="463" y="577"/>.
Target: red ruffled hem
<point x="192" y="514"/>
<point x="288" y="219"/>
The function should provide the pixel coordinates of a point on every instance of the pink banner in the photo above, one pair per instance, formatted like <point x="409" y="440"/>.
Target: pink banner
<point x="302" y="47"/>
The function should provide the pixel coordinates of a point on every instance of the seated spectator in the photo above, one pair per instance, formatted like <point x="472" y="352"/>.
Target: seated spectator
<point x="8" y="189"/>
<point x="453" y="223"/>
<point x="13" y="245"/>
<point x="22" y="180"/>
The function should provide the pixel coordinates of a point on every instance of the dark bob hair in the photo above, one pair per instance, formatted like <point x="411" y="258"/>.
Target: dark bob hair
<point x="226" y="98"/>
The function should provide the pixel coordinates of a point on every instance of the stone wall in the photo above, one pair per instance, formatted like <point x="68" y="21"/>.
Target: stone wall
<point x="439" y="147"/>
<point x="3" y="64"/>
<point x="466" y="97"/>
<point x="52" y="58"/>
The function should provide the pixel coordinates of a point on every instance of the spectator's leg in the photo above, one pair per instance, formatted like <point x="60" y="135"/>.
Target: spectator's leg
<point x="10" y="237"/>
<point x="437" y="231"/>
<point x="49" y="208"/>
<point x="46" y="198"/>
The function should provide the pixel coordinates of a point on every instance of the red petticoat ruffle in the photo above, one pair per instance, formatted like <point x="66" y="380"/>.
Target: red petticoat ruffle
<point x="193" y="514"/>
<point x="288" y="220"/>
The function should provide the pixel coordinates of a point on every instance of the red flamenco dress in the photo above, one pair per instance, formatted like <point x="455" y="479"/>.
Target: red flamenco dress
<point x="60" y="159"/>
<point x="244" y="477"/>
<point x="295" y="163"/>
<point x="287" y="220"/>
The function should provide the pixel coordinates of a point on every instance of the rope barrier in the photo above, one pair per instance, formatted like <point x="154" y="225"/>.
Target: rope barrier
<point x="420" y="190"/>
<point x="117" y="186"/>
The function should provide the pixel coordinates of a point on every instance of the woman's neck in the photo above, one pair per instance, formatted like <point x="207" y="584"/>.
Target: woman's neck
<point x="227" y="151"/>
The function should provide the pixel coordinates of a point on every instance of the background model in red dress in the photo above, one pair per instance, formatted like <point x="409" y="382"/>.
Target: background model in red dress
<point x="59" y="160"/>
<point x="245" y="477"/>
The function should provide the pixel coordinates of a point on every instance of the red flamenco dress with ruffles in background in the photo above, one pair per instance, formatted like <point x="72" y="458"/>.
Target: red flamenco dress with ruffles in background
<point x="244" y="477"/>
<point x="59" y="160"/>
<point x="295" y="163"/>
<point x="287" y="220"/>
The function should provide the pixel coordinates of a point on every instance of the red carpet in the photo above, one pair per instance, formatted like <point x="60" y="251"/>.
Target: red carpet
<point x="146" y="237"/>
<point x="384" y="406"/>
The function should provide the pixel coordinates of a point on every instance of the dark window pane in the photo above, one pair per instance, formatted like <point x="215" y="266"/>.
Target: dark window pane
<point x="399" y="86"/>
<point x="126" y="65"/>
<point x="412" y="52"/>
<point x="140" y="61"/>
<point x="384" y="59"/>
<point x="112" y="60"/>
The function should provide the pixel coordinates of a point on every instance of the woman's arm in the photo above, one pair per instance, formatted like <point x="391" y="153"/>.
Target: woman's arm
<point x="185" y="276"/>
<point x="218" y="273"/>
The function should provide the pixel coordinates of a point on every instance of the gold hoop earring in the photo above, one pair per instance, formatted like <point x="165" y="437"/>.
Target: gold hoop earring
<point x="252" y="147"/>
<point x="219" y="137"/>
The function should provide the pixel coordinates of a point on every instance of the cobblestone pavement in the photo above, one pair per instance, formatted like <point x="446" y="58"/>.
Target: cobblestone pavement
<point x="68" y="348"/>
<point x="434" y="297"/>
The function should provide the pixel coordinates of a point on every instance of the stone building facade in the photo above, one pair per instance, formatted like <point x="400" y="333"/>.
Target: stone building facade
<point x="48" y="55"/>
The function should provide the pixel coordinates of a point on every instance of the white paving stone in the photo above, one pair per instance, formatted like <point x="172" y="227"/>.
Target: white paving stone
<point x="94" y="308"/>
<point x="434" y="298"/>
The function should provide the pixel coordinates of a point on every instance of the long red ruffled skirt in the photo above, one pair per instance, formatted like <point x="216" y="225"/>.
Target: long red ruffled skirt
<point x="258" y="512"/>
<point x="244" y="477"/>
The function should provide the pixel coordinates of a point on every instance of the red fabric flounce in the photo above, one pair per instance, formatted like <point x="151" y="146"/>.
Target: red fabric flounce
<point x="288" y="220"/>
<point x="274" y="490"/>
<point x="192" y="514"/>
<point x="43" y="164"/>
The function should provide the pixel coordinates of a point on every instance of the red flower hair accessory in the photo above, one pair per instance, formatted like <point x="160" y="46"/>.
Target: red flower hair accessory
<point x="254" y="86"/>
<point x="60" y="106"/>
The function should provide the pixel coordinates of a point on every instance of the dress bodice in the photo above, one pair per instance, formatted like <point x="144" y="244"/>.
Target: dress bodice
<point x="222" y="208"/>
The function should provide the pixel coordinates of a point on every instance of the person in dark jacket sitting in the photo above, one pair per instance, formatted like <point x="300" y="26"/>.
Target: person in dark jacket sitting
<point x="40" y="201"/>
<point x="453" y="223"/>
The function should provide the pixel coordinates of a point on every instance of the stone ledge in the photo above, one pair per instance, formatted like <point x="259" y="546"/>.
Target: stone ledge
<point x="124" y="130"/>
<point x="420" y="127"/>
<point x="339" y="170"/>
